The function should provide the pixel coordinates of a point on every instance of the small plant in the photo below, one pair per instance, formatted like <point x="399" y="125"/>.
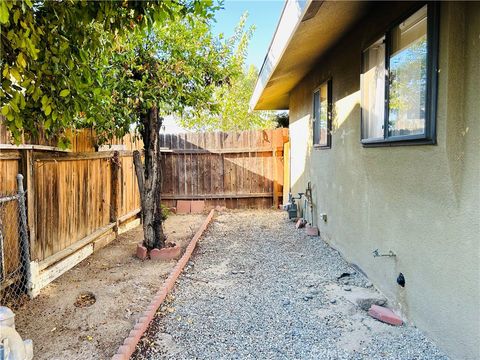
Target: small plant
<point x="165" y="212"/>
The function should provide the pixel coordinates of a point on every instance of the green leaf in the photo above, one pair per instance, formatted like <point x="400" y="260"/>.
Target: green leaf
<point x="3" y="12"/>
<point x="21" y="60"/>
<point x="5" y="110"/>
<point x="18" y="122"/>
<point x="48" y="110"/>
<point x="64" y="92"/>
<point x="14" y="72"/>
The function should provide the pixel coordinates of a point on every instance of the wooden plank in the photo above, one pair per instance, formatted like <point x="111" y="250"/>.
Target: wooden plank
<point x="48" y="275"/>
<point x="49" y="261"/>
<point x="221" y="151"/>
<point x="128" y="226"/>
<point x="218" y="196"/>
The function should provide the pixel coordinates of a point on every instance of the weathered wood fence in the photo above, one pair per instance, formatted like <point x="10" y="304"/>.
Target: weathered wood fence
<point x="77" y="202"/>
<point x="242" y="169"/>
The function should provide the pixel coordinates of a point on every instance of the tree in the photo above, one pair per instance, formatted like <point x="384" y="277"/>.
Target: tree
<point x="282" y="119"/>
<point x="70" y="64"/>
<point x="233" y="97"/>
<point x="53" y="53"/>
<point x="169" y="68"/>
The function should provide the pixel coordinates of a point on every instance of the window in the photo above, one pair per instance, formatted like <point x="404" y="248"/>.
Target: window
<point x="398" y="82"/>
<point x="322" y="116"/>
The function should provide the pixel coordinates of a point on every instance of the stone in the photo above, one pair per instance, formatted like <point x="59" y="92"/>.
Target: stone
<point x="365" y="298"/>
<point x="366" y="303"/>
<point x="347" y="288"/>
<point x="167" y="253"/>
<point x="368" y="284"/>
<point x="300" y="223"/>
<point x="312" y="230"/>
<point x="197" y="207"/>
<point x="333" y="301"/>
<point x="234" y="272"/>
<point x="141" y="251"/>
<point x="286" y="302"/>
<point x="385" y="315"/>
<point x="183" y="206"/>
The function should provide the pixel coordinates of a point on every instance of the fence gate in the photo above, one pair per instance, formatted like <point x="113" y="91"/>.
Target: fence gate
<point x="14" y="247"/>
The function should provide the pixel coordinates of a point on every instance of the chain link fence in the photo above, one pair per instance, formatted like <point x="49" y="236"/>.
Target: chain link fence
<point x="14" y="248"/>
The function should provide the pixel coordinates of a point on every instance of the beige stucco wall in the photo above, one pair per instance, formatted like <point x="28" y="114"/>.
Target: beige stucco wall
<point x="422" y="202"/>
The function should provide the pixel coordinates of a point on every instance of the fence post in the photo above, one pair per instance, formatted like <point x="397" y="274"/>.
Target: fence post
<point x="115" y="191"/>
<point x="27" y="166"/>
<point x="24" y="247"/>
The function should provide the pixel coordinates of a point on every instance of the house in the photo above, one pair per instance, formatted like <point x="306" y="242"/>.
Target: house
<point x="384" y="104"/>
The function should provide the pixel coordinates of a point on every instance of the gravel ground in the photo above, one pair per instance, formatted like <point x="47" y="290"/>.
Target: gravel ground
<point x="257" y="288"/>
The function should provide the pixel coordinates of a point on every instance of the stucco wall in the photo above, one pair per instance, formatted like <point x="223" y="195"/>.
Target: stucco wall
<point x="422" y="202"/>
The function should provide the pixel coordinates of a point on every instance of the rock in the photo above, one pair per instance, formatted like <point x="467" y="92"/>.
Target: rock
<point x="300" y="223"/>
<point x="368" y="284"/>
<point x="234" y="272"/>
<point x="333" y="301"/>
<point x="286" y="302"/>
<point x="366" y="303"/>
<point x="241" y="272"/>
<point x="310" y="285"/>
<point x="347" y="288"/>
<point x="365" y="298"/>
<point x="221" y="296"/>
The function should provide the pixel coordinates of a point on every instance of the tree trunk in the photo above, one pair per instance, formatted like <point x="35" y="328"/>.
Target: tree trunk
<point x="149" y="180"/>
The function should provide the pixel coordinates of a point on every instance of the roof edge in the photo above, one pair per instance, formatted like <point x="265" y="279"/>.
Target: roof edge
<point x="291" y="17"/>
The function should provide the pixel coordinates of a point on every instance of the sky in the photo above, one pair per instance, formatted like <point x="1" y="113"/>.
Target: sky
<point x="264" y="14"/>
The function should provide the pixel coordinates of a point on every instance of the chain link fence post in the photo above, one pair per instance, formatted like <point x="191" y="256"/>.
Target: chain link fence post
<point x="24" y="245"/>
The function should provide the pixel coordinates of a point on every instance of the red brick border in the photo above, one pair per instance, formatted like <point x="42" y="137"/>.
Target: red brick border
<point x="128" y="347"/>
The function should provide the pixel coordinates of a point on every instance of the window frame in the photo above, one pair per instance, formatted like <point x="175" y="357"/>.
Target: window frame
<point x="328" y="82"/>
<point x="429" y="136"/>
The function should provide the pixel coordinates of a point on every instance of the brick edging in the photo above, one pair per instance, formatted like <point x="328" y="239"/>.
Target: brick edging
<point x="129" y="344"/>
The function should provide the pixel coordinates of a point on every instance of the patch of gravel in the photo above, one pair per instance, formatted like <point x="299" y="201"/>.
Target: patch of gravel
<point x="257" y="288"/>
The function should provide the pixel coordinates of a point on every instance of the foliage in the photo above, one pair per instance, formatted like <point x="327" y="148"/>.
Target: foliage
<point x="56" y="58"/>
<point x="233" y="97"/>
<point x="165" y="212"/>
<point x="175" y="66"/>
<point x="282" y="119"/>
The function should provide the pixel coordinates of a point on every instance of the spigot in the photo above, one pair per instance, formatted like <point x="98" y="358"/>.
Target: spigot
<point x="377" y="254"/>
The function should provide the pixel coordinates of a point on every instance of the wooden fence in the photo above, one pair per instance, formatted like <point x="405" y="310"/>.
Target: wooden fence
<point x="78" y="201"/>
<point x="241" y="169"/>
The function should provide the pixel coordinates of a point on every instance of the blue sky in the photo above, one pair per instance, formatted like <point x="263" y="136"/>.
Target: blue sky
<point x="264" y="14"/>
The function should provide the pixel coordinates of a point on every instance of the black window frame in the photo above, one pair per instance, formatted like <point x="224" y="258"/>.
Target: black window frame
<point x="429" y="136"/>
<point x="329" y="115"/>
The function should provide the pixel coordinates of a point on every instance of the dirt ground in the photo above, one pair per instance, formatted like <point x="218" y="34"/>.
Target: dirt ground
<point x="122" y="285"/>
